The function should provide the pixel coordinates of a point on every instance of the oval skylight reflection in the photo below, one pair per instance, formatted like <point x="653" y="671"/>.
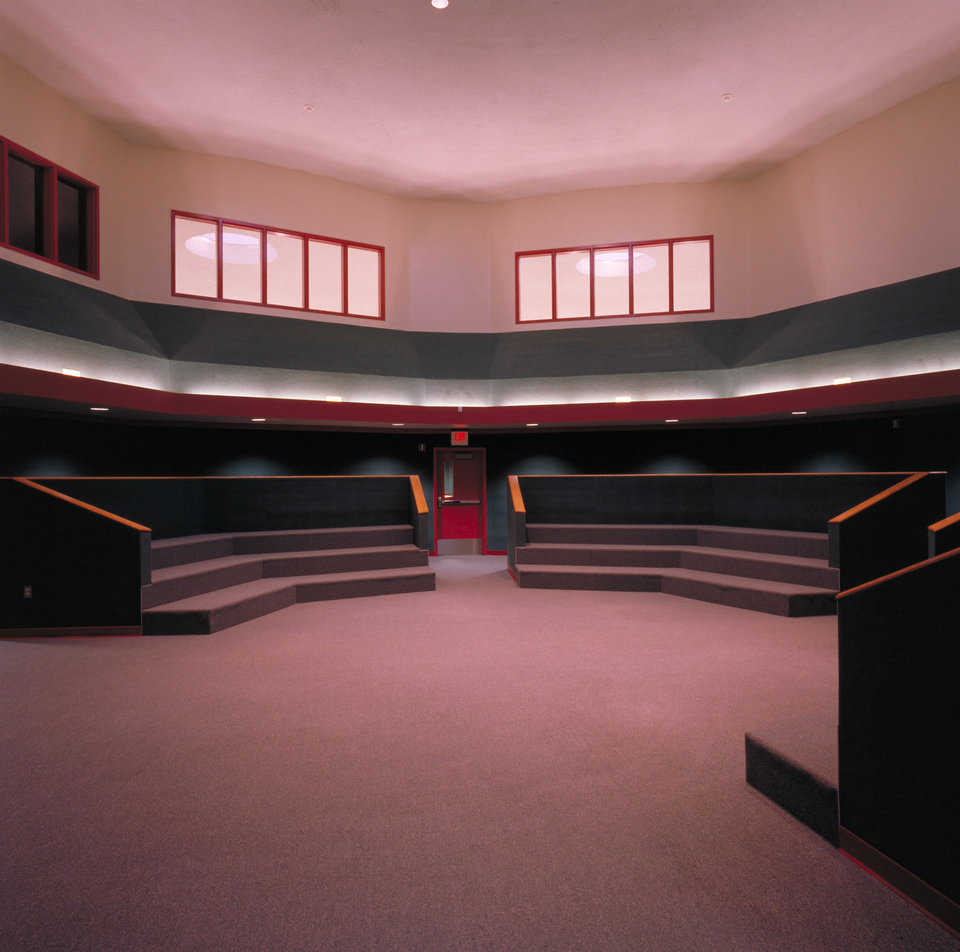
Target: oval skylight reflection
<point x="613" y="264"/>
<point x="237" y="248"/>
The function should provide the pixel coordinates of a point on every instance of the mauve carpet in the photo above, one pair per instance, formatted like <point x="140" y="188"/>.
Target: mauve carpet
<point x="480" y="767"/>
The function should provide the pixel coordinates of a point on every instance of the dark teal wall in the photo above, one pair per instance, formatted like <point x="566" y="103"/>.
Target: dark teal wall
<point x="908" y="309"/>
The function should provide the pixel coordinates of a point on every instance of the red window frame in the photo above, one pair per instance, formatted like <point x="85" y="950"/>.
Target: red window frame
<point x="218" y="224"/>
<point x="52" y="173"/>
<point x="593" y="249"/>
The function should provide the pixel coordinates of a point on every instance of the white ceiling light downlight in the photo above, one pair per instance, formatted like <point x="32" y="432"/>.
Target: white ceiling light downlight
<point x="439" y="4"/>
<point x="238" y="248"/>
<point x="613" y="264"/>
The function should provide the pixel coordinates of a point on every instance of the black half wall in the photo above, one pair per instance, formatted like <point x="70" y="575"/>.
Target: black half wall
<point x="907" y="309"/>
<point x="35" y="445"/>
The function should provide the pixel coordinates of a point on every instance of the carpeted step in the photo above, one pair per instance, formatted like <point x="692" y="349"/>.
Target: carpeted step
<point x="195" y="578"/>
<point x="800" y="571"/>
<point x="214" y="611"/>
<point x="178" y="551"/>
<point x="173" y="584"/>
<point x="797" y="570"/>
<point x="573" y="553"/>
<point x="806" y="545"/>
<point x="772" y="597"/>
<point x="611" y="534"/>
<point x="810" y="798"/>
<point x="813" y="545"/>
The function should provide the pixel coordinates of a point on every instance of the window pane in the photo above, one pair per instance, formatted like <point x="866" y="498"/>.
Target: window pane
<point x="284" y="269"/>
<point x="72" y="224"/>
<point x="326" y="276"/>
<point x="536" y="288"/>
<point x="25" y="199"/>
<point x="611" y="282"/>
<point x="195" y="257"/>
<point x="241" y="264"/>
<point x="691" y="275"/>
<point x="651" y="279"/>
<point x="363" y="282"/>
<point x="573" y="283"/>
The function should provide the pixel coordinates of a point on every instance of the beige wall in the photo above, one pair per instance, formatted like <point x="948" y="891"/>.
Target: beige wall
<point x="264" y="195"/>
<point x="874" y="205"/>
<point x="638" y="213"/>
<point x="40" y="119"/>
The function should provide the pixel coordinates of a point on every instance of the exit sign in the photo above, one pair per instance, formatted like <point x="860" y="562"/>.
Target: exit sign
<point x="459" y="438"/>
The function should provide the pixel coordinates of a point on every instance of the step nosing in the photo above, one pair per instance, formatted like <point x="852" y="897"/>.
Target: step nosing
<point x="224" y="562"/>
<point x="690" y="575"/>
<point x="215" y="599"/>
<point x="689" y="549"/>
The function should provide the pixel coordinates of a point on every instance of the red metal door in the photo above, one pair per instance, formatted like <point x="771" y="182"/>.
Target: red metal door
<point x="460" y="496"/>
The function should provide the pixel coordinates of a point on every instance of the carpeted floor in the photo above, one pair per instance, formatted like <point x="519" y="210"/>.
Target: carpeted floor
<point x="480" y="767"/>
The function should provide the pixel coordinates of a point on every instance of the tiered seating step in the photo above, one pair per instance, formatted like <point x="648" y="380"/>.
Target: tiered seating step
<point x="195" y="578"/>
<point x="202" y="584"/>
<point x="812" y="545"/>
<point x="782" y="573"/>
<point x="167" y="552"/>
<point x="800" y="571"/>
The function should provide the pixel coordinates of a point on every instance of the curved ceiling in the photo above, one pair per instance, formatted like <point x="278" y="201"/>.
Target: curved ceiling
<point x="488" y="99"/>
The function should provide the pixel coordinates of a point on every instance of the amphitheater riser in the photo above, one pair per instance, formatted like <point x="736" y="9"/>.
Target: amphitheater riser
<point x="207" y="622"/>
<point x="687" y="557"/>
<point x="168" y="553"/>
<point x="771" y="603"/>
<point x="799" y="544"/>
<point x="200" y="582"/>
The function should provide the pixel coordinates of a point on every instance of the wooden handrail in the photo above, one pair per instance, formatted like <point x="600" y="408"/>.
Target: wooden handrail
<point x="906" y="570"/>
<point x="945" y="523"/>
<point x="418" y="497"/>
<point x="132" y="478"/>
<point x="661" y="475"/>
<point x="867" y="503"/>
<point x="80" y="503"/>
<point x="516" y="497"/>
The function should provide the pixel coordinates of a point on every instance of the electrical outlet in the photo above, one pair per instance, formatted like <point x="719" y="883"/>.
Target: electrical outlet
<point x="28" y="591"/>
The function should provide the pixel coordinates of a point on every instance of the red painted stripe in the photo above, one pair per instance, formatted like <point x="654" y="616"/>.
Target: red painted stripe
<point x="873" y="394"/>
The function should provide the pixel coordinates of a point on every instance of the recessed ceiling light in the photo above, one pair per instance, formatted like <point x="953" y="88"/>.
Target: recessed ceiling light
<point x="726" y="97"/>
<point x="308" y="107"/>
<point x="533" y="424"/>
<point x="440" y="4"/>
<point x="798" y="412"/>
<point x="70" y="372"/>
<point x="333" y="398"/>
<point x="624" y="399"/>
<point x="671" y="421"/>
<point x="398" y="424"/>
<point x="839" y="380"/>
<point x="100" y="409"/>
<point x="258" y="419"/>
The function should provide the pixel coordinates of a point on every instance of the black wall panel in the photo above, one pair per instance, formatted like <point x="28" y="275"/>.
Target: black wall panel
<point x="899" y="714"/>
<point x="35" y="445"/>
<point x="82" y="569"/>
